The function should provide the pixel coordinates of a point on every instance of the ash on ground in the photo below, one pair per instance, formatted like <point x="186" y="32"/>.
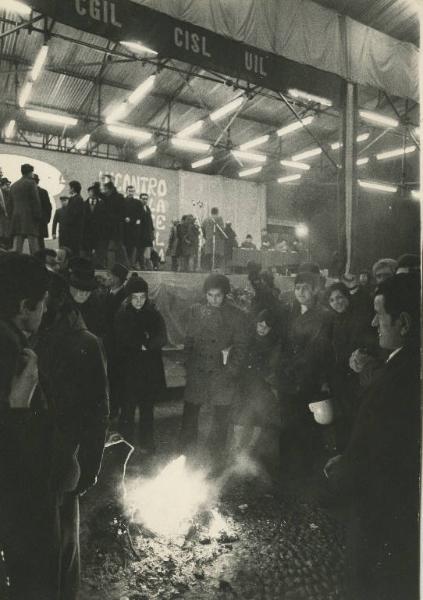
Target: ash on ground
<point x="260" y="541"/>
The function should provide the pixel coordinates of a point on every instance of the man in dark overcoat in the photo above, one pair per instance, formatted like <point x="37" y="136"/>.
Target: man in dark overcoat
<point x="377" y="477"/>
<point x="146" y="240"/>
<point x="74" y="218"/>
<point x="133" y="225"/>
<point x="46" y="210"/>
<point x="96" y="230"/>
<point x="26" y="211"/>
<point x="115" y="204"/>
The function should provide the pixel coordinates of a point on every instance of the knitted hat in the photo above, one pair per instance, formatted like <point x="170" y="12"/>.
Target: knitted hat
<point x="120" y="271"/>
<point x="136" y="285"/>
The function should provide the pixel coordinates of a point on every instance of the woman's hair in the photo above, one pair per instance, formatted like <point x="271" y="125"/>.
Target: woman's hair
<point x="217" y="281"/>
<point x="337" y="287"/>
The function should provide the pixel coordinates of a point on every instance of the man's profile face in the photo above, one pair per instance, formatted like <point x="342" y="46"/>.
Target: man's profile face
<point x="130" y="192"/>
<point x="389" y="329"/>
<point x="32" y="318"/>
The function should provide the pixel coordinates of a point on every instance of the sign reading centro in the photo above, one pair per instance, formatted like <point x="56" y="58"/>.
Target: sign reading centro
<point x="56" y="169"/>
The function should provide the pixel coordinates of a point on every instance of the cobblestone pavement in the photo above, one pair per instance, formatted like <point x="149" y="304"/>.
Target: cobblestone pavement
<point x="277" y="543"/>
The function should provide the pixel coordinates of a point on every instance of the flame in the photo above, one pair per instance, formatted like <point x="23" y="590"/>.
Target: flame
<point x="167" y="503"/>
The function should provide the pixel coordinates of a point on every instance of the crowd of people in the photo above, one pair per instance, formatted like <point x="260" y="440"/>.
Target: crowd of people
<point x="104" y="224"/>
<point x="329" y="369"/>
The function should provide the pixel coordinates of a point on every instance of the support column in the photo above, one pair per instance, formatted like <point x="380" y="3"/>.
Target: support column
<point x="347" y="200"/>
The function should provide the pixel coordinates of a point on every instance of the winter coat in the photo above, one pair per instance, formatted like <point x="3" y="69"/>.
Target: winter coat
<point x="378" y="478"/>
<point x="256" y="395"/>
<point x="93" y="312"/>
<point x="95" y="223"/>
<point x="26" y="214"/>
<point x="230" y="243"/>
<point x="209" y="331"/>
<point x="46" y="210"/>
<point x="73" y="365"/>
<point x="173" y="243"/>
<point x="147" y="228"/>
<point x="208" y="227"/>
<point x="306" y="360"/>
<point x="59" y="220"/>
<point x="74" y="223"/>
<point x="188" y="235"/>
<point x="115" y="205"/>
<point x="137" y="328"/>
<point x="134" y="212"/>
<point x="34" y="472"/>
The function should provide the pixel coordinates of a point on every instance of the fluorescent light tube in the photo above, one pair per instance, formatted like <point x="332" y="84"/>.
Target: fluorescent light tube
<point x="395" y="152"/>
<point x="360" y="138"/>
<point x="307" y="154"/>
<point x="46" y="117"/>
<point x="25" y="94"/>
<point x="138" y="47"/>
<point x="131" y="132"/>
<point x="16" y="7"/>
<point x="39" y="62"/>
<point x="362" y="161"/>
<point x="248" y="172"/>
<point x="256" y="142"/>
<point x="202" y="162"/>
<point x="187" y="144"/>
<point x="294" y="126"/>
<point x="288" y="178"/>
<point x="147" y="152"/>
<point x="249" y="156"/>
<point x="194" y="128"/>
<point x="82" y="142"/>
<point x="10" y="129"/>
<point x="295" y="165"/>
<point x="117" y="113"/>
<point x="379" y="119"/>
<point x="310" y="97"/>
<point x="416" y="194"/>
<point x="227" y="108"/>
<point x="373" y="185"/>
<point x="142" y="90"/>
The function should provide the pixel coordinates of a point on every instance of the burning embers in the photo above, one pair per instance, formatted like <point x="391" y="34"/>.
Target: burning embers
<point x="170" y="503"/>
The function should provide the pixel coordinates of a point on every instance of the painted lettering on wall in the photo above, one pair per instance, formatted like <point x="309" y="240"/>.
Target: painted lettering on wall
<point x="103" y="11"/>
<point x="190" y="41"/>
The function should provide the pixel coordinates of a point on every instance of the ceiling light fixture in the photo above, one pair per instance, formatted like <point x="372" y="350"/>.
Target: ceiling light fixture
<point x="378" y="119"/>
<point x="295" y="165"/>
<point x="136" y="134"/>
<point x="133" y="99"/>
<point x="416" y="194"/>
<point x="246" y="156"/>
<point x="288" y="178"/>
<point x="138" y="47"/>
<point x="221" y="112"/>
<point x="362" y="161"/>
<point x="39" y="62"/>
<point x="202" y="162"/>
<point x="16" y="7"/>
<point x="395" y="152"/>
<point x="309" y="97"/>
<point x="188" y="144"/>
<point x="194" y="128"/>
<point x="52" y="118"/>
<point x="374" y="185"/>
<point x="307" y="154"/>
<point x="82" y="142"/>
<point x="256" y="142"/>
<point x="248" y="172"/>
<point x="10" y="129"/>
<point x="147" y="152"/>
<point x="25" y="94"/>
<point x="360" y="138"/>
<point x="294" y="126"/>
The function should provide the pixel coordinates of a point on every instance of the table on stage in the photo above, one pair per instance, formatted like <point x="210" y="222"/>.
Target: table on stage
<point x="266" y="258"/>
